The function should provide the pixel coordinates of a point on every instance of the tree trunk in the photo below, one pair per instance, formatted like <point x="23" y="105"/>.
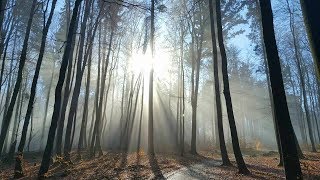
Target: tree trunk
<point x="310" y="11"/>
<point x="223" y="149"/>
<point x="3" y="4"/>
<point x="57" y="105"/>
<point x="46" y="107"/>
<point x="288" y="145"/>
<point x="233" y="129"/>
<point x="150" y="122"/>
<point x="31" y="132"/>
<point x="83" y="130"/>
<point x="67" y="85"/>
<point x="7" y="119"/>
<point x="6" y="44"/>
<point x="265" y="63"/>
<point x="81" y="63"/>
<point x="8" y="92"/>
<point x="301" y="77"/>
<point x="95" y="141"/>
<point x="33" y="90"/>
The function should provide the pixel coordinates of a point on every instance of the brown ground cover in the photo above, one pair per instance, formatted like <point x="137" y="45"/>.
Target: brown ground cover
<point x="117" y="165"/>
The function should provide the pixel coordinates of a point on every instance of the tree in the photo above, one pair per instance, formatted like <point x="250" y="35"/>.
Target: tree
<point x="288" y="146"/>
<point x="95" y="139"/>
<point x="150" y="122"/>
<point x="310" y="10"/>
<point x="69" y="79"/>
<point x="3" y="4"/>
<point x="256" y="37"/>
<point x="81" y="63"/>
<point x="226" y="91"/>
<point x="300" y="73"/>
<point x="196" y="53"/>
<point x="223" y="149"/>
<point x="23" y="56"/>
<point x="18" y="167"/>
<point x="47" y="106"/>
<point x="57" y="105"/>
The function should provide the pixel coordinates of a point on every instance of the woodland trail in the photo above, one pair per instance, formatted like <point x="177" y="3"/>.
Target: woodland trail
<point x="195" y="171"/>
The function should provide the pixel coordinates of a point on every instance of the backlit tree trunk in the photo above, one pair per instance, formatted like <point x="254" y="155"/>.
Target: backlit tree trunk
<point x="288" y="145"/>
<point x="223" y="149"/>
<point x="57" y="105"/>
<point x="23" y="57"/>
<point x="233" y="129"/>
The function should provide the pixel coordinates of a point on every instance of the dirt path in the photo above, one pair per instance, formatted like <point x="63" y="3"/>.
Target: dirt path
<point x="195" y="171"/>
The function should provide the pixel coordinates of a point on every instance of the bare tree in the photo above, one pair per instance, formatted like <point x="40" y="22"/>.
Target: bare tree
<point x="8" y="113"/>
<point x="287" y="139"/>
<point x="57" y="105"/>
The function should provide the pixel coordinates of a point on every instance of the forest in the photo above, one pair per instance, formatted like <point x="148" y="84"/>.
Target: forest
<point x="160" y="89"/>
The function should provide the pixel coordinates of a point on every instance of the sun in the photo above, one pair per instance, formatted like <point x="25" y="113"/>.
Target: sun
<point x="144" y="62"/>
<point x="140" y="63"/>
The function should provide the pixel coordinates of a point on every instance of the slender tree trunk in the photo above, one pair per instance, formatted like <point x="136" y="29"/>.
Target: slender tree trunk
<point x="57" y="105"/>
<point x="193" y="113"/>
<point x="8" y="92"/>
<point x="310" y="11"/>
<point x="287" y="139"/>
<point x="223" y="149"/>
<point x="313" y="109"/>
<point x="233" y="129"/>
<point x="80" y="70"/>
<point x="6" y="120"/>
<point x="150" y="122"/>
<point x="46" y="107"/>
<point x="3" y="4"/>
<point x="141" y="116"/>
<point x="195" y="99"/>
<point x="96" y="103"/>
<point x="95" y="141"/>
<point x="181" y="92"/>
<point x="17" y="117"/>
<point x="19" y="172"/>
<point x="82" y="137"/>
<point x="302" y="80"/>
<point x="67" y="84"/>
<point x="31" y="132"/>
<point x="265" y="62"/>
<point x="6" y="44"/>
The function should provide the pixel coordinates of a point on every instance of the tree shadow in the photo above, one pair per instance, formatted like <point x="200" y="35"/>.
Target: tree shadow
<point x="155" y="167"/>
<point x="261" y="169"/>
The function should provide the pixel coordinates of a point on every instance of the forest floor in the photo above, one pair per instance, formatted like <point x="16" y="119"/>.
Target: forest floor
<point x="206" y="165"/>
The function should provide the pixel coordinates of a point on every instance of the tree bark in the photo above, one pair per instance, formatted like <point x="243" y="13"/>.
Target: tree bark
<point x="301" y="77"/>
<point x="223" y="149"/>
<point x="7" y="118"/>
<point x="19" y="172"/>
<point x="67" y="84"/>
<point x="80" y="70"/>
<point x="288" y="145"/>
<point x="46" y="107"/>
<point x="57" y="105"/>
<point x="233" y="129"/>
<point x="150" y="122"/>
<point x="310" y="11"/>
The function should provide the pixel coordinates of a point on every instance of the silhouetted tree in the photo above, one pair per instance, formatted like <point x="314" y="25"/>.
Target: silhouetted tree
<point x="310" y="10"/>
<point x="57" y="105"/>
<point x="150" y="122"/>
<point x="23" y="56"/>
<point x="223" y="149"/>
<point x="288" y="145"/>
<point x="226" y="91"/>
<point x="18" y="167"/>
